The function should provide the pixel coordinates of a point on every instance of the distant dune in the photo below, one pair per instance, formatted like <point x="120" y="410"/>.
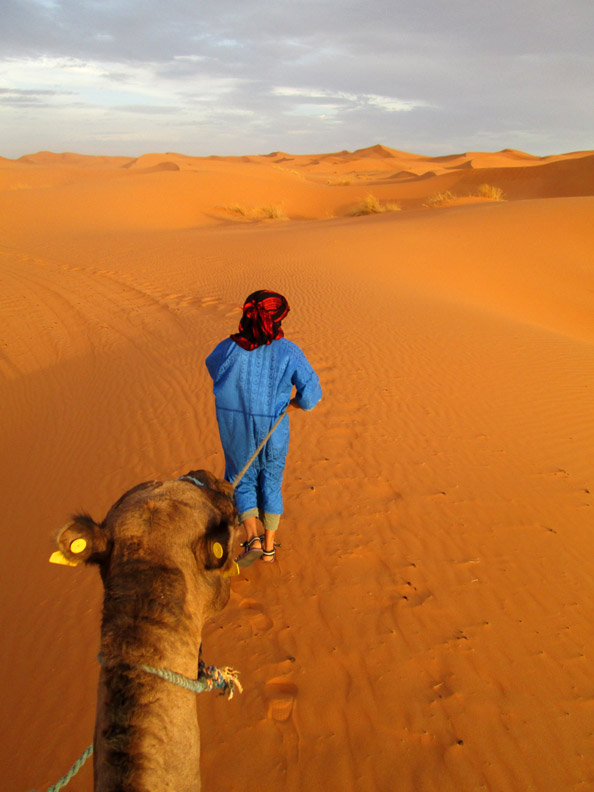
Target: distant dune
<point x="428" y="622"/>
<point x="203" y="189"/>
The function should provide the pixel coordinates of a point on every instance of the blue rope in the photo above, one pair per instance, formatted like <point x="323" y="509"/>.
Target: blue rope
<point x="192" y="479"/>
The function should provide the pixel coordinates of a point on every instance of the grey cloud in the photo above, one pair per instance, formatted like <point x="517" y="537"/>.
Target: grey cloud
<point x="28" y="92"/>
<point x="130" y="29"/>
<point x="149" y="109"/>
<point x="465" y="66"/>
<point x="27" y="97"/>
<point x="23" y="101"/>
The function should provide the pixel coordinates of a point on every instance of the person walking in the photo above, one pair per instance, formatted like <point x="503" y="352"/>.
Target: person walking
<point x="254" y="372"/>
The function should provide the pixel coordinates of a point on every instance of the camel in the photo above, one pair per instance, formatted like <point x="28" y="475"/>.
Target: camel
<point x="164" y="552"/>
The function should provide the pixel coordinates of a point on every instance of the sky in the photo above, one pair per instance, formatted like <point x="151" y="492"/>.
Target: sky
<point x="434" y="77"/>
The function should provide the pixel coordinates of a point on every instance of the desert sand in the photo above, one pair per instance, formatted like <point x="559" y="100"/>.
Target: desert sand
<point x="427" y="626"/>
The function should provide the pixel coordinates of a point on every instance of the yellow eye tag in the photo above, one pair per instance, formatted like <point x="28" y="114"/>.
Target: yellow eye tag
<point x="78" y="545"/>
<point x="234" y="570"/>
<point x="59" y="558"/>
<point x="217" y="549"/>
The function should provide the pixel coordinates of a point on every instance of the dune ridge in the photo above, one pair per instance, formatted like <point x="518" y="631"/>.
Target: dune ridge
<point x="427" y="624"/>
<point x="209" y="187"/>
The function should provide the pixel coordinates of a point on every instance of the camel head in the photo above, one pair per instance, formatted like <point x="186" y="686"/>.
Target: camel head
<point x="187" y="524"/>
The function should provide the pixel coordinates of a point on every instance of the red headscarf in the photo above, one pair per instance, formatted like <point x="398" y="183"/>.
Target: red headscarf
<point x="263" y="312"/>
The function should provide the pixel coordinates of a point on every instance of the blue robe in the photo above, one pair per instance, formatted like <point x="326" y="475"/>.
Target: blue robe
<point x="251" y="390"/>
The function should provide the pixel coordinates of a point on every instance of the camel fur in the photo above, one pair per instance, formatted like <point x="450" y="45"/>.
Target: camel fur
<point x="158" y="558"/>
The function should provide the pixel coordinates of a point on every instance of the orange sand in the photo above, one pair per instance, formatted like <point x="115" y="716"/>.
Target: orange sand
<point x="428" y="624"/>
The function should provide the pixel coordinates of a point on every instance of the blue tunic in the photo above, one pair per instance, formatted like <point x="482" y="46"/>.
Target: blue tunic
<point x="251" y="390"/>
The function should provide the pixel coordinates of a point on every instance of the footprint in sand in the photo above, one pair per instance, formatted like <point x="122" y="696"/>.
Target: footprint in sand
<point x="412" y="595"/>
<point x="219" y="305"/>
<point x="441" y="690"/>
<point x="177" y="300"/>
<point x="258" y="620"/>
<point x="281" y="696"/>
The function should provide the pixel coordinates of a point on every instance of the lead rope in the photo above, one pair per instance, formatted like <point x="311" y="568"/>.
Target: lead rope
<point x="246" y="467"/>
<point x="73" y="770"/>
<point x="209" y="678"/>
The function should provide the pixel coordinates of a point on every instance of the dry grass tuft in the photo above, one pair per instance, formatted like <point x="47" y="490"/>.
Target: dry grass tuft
<point x="237" y="209"/>
<point x="440" y="199"/>
<point x="371" y="205"/>
<point x="492" y="193"/>
<point x="447" y="198"/>
<point x="271" y="212"/>
<point x="292" y="171"/>
<point x="339" y="182"/>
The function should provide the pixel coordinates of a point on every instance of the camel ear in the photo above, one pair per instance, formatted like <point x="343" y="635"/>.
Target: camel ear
<point x="79" y="541"/>
<point x="223" y="560"/>
<point x="217" y="552"/>
<point x="217" y="547"/>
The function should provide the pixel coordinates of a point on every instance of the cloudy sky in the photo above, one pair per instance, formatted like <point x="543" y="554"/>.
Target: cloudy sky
<point x="305" y="76"/>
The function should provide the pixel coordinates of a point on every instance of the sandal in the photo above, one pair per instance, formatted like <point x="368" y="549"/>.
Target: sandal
<point x="262" y="539"/>
<point x="270" y="554"/>
<point x="250" y="553"/>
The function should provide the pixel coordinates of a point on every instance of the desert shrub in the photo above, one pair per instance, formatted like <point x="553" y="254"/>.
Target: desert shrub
<point x="288" y="170"/>
<point x="440" y="199"/>
<point x="271" y="212"/>
<point x="492" y="193"/>
<point x="371" y="205"/>
<point x="237" y="209"/>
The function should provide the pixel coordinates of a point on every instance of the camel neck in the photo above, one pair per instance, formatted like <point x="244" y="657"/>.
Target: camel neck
<point x="147" y="621"/>
<point x="138" y="713"/>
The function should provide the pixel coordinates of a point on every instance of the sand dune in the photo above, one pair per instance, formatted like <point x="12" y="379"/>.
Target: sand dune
<point x="185" y="192"/>
<point x="428" y="623"/>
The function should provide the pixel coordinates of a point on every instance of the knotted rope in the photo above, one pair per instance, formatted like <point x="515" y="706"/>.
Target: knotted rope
<point x="209" y="678"/>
